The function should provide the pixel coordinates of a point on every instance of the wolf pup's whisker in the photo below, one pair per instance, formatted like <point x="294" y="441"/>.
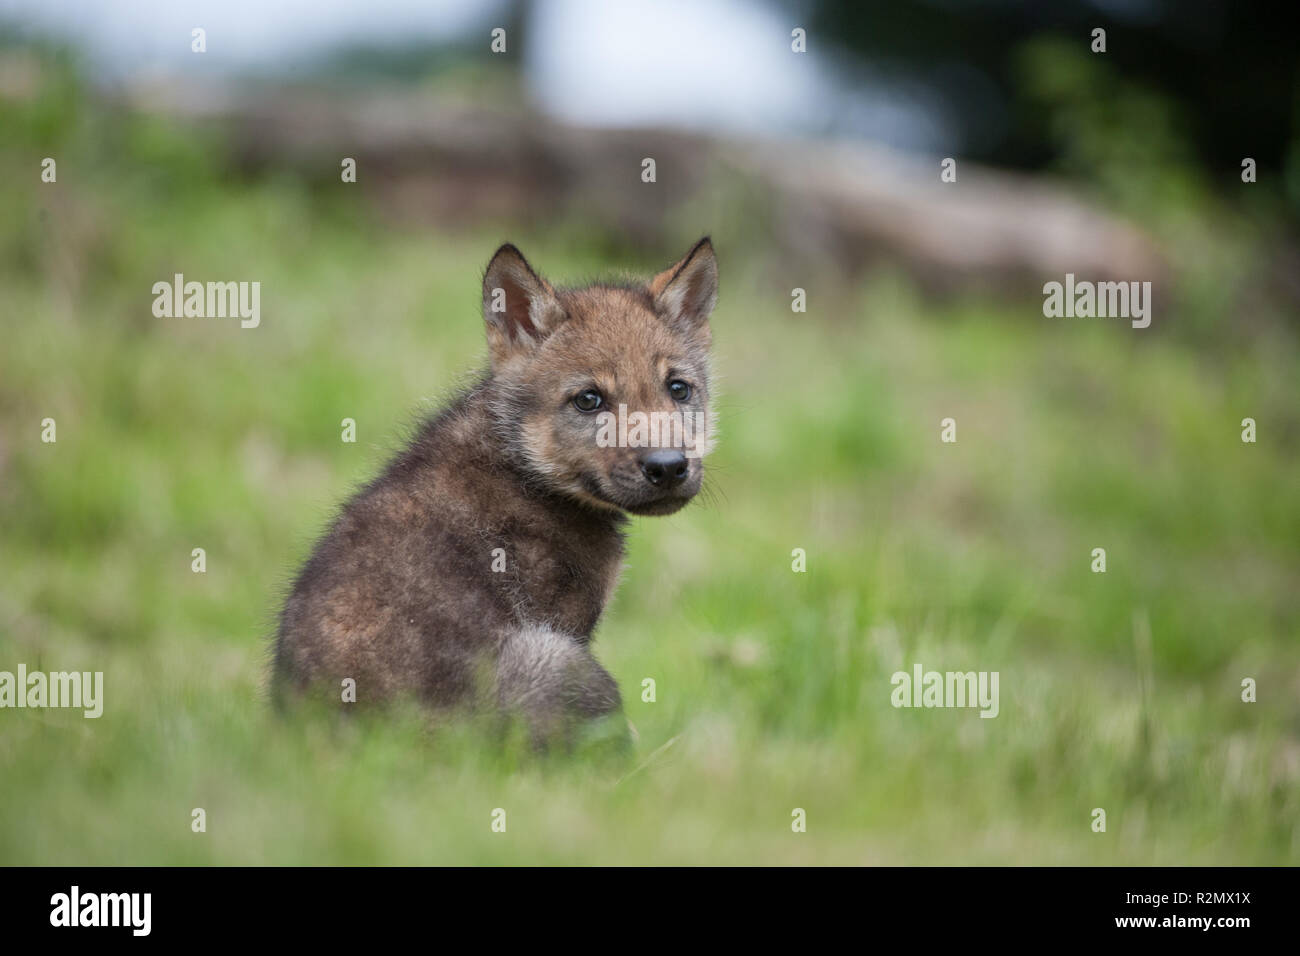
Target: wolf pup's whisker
<point x="472" y="573"/>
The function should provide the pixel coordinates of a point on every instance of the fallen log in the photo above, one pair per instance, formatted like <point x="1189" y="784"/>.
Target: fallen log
<point x="855" y="203"/>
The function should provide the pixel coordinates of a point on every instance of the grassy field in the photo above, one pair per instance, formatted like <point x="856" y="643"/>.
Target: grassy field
<point x="1118" y="690"/>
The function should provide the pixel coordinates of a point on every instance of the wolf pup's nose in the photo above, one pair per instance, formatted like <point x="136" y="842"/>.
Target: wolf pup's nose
<point x="664" y="469"/>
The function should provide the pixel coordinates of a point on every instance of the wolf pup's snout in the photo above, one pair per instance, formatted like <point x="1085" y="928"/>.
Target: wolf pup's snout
<point x="665" y="470"/>
<point x="473" y="571"/>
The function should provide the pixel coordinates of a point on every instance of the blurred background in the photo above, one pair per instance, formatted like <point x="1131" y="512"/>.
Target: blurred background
<point x="807" y="138"/>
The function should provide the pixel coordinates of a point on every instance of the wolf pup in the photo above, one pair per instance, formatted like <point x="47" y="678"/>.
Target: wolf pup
<point x="472" y="572"/>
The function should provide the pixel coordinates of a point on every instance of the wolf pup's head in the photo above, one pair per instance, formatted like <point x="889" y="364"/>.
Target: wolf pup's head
<point x="603" y="391"/>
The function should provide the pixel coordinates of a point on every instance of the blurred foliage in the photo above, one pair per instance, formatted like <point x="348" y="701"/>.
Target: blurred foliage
<point x="1128" y="146"/>
<point x="1223" y="74"/>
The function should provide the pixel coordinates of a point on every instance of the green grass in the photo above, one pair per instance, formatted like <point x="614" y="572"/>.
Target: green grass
<point x="1118" y="690"/>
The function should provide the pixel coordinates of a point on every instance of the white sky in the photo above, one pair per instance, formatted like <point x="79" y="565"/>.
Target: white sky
<point x="691" y="63"/>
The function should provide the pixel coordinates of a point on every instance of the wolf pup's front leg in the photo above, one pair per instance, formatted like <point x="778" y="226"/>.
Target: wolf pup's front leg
<point x="474" y="570"/>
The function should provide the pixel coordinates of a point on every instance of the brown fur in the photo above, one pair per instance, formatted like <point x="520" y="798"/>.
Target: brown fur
<point x="400" y="594"/>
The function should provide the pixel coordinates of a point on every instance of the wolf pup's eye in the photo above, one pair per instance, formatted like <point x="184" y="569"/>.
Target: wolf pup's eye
<point x="679" y="390"/>
<point x="587" y="401"/>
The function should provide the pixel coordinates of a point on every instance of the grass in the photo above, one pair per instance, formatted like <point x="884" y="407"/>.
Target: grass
<point x="1118" y="690"/>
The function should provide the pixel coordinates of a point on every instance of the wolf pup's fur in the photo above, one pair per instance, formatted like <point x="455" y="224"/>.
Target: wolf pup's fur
<point x="473" y="571"/>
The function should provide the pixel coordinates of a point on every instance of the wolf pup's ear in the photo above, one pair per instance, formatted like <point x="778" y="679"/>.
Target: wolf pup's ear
<point x="519" y="306"/>
<point x="686" y="293"/>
